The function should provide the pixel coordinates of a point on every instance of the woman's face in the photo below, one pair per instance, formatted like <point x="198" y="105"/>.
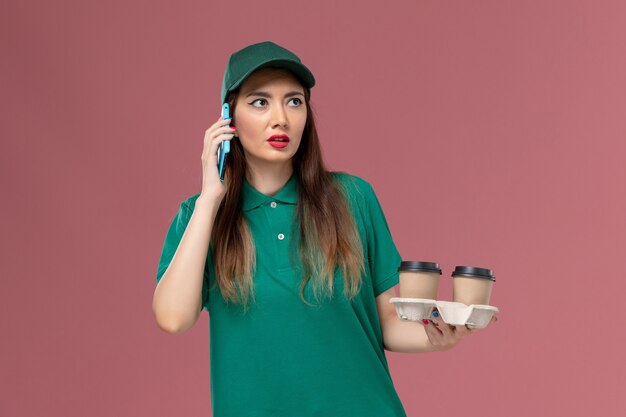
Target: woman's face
<point x="270" y="102"/>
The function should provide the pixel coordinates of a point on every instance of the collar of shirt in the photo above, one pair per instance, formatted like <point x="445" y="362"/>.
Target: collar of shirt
<point x="253" y="198"/>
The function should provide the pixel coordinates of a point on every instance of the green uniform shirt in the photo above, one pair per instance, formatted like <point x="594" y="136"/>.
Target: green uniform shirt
<point x="284" y="358"/>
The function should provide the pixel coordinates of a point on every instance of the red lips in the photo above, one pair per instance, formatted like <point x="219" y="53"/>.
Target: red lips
<point x="281" y="136"/>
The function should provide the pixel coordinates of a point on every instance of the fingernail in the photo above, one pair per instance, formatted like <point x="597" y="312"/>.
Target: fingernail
<point x="425" y="321"/>
<point x="233" y="127"/>
<point x="435" y="314"/>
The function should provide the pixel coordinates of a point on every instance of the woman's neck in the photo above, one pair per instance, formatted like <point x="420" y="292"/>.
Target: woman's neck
<point x="269" y="178"/>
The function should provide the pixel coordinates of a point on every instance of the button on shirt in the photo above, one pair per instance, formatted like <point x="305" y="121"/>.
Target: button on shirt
<point x="284" y="357"/>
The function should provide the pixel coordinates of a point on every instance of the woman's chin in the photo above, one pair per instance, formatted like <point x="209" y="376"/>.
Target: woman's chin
<point x="271" y="157"/>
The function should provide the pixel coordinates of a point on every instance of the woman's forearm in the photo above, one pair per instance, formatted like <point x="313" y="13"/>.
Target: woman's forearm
<point x="177" y="300"/>
<point x="407" y="336"/>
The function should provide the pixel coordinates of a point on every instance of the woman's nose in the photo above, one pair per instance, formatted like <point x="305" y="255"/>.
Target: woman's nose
<point x="279" y="117"/>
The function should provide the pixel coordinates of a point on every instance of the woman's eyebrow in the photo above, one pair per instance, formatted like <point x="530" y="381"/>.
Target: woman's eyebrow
<point x="268" y="95"/>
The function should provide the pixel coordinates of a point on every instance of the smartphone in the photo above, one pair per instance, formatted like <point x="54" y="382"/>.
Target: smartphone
<point x="224" y="147"/>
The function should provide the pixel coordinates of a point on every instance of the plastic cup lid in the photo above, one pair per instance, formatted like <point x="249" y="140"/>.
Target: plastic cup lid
<point x="416" y="266"/>
<point x="474" y="272"/>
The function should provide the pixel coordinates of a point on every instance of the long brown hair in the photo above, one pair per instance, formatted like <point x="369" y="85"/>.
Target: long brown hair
<point x="329" y="238"/>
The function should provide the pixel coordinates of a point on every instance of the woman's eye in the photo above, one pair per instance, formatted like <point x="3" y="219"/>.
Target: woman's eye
<point x="258" y="99"/>
<point x="262" y="102"/>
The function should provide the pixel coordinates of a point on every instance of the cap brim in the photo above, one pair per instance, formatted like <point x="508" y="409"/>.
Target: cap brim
<point x="299" y="70"/>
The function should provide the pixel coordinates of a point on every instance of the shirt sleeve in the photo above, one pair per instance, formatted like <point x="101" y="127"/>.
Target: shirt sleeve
<point x="383" y="256"/>
<point x="170" y="245"/>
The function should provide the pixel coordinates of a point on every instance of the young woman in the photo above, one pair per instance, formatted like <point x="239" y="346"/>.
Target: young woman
<point x="295" y="264"/>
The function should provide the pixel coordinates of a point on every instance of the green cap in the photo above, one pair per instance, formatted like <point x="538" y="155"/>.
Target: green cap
<point x="264" y="54"/>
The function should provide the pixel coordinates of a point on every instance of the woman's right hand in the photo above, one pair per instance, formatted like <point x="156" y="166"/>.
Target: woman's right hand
<point x="212" y="186"/>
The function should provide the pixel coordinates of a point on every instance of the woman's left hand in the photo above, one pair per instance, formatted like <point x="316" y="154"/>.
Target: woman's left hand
<point x="445" y="336"/>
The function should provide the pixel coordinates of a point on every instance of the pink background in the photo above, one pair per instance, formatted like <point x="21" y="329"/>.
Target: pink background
<point x="492" y="131"/>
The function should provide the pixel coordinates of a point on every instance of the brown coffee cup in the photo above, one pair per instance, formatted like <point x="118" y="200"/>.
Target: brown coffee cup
<point x="419" y="279"/>
<point x="472" y="285"/>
